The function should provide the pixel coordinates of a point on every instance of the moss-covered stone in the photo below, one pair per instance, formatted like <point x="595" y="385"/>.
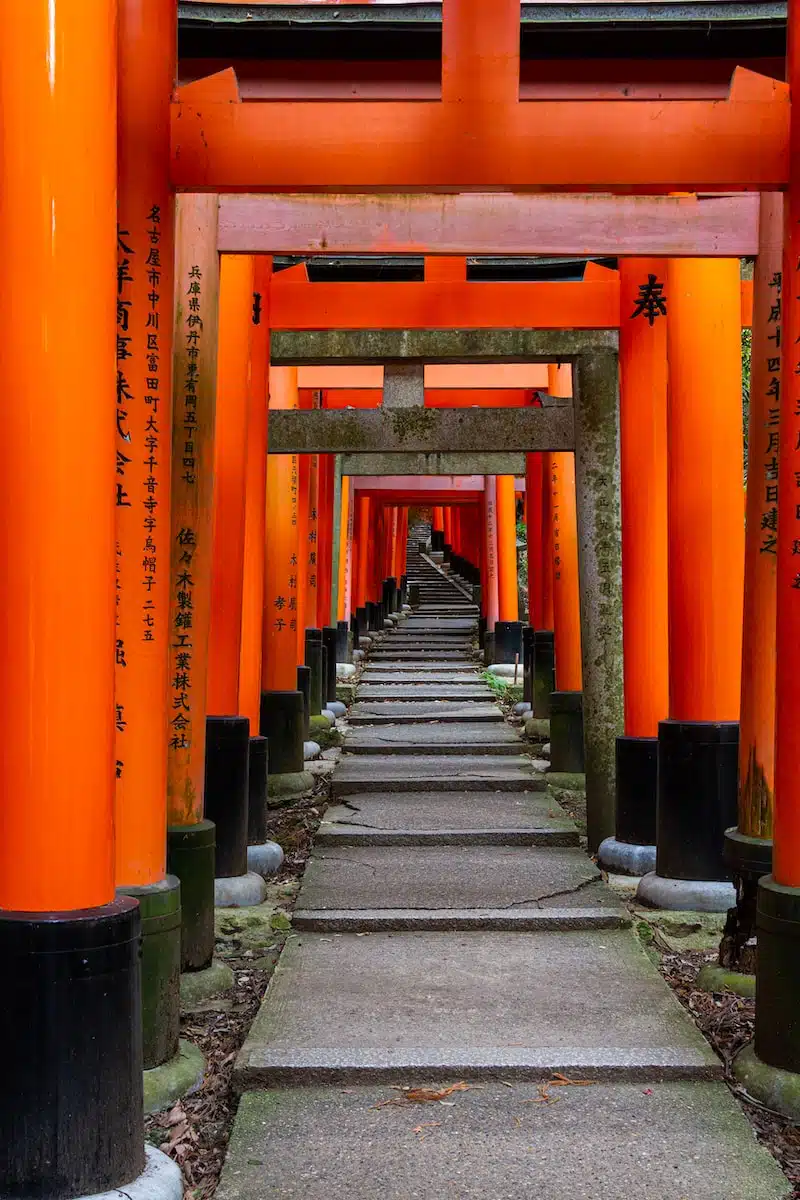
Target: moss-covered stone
<point x="198" y="986"/>
<point x="713" y="978"/>
<point x="178" y="1077"/>
<point x="772" y="1087"/>
<point x="283" y="789"/>
<point x="346" y="692"/>
<point x="537" y="729"/>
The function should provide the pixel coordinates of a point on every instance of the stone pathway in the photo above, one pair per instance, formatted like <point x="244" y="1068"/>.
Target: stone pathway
<point x="449" y="930"/>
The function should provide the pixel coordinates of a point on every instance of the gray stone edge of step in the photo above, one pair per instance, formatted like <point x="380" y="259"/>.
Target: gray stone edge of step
<point x="442" y="750"/>
<point x="493" y="920"/>
<point x="345" y="835"/>
<point x="424" y="783"/>
<point x="273" y="1067"/>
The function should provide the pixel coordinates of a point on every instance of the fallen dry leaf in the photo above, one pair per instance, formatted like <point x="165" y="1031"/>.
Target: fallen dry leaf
<point x="409" y="1095"/>
<point x="560" y="1080"/>
<point x="425" y="1125"/>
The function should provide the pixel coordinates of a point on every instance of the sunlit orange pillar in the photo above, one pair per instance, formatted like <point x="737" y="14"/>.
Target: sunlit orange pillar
<point x="643" y="456"/>
<point x="255" y="498"/>
<point x="508" y="603"/>
<point x="230" y="473"/>
<point x="492" y="589"/>
<point x="325" y="535"/>
<point x="310" y="548"/>
<point x="145" y="253"/>
<point x="279" y="667"/>
<point x="437" y="528"/>
<point x="547" y="544"/>
<point x="346" y="552"/>
<point x="534" y="466"/>
<point x="566" y="592"/>
<point x="706" y="574"/>
<point x="777" y="1044"/>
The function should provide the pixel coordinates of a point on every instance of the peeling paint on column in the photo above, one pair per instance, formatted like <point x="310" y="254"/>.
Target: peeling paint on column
<point x="597" y="480"/>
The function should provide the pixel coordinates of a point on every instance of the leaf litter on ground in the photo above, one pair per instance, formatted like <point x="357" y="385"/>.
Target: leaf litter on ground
<point x="423" y="1095"/>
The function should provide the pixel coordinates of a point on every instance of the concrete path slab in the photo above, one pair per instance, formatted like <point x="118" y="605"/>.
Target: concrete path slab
<point x="435" y="739"/>
<point x="455" y="1005"/>
<point x="429" y="671"/>
<point x="429" y="654"/>
<point x="369" y="693"/>
<point x="447" y="818"/>
<point x="452" y="678"/>
<point x="381" y="712"/>
<point x="413" y="773"/>
<point x="681" y="1141"/>
<point x="454" y="877"/>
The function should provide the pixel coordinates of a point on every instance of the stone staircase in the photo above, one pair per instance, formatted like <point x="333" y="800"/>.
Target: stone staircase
<point x="451" y="934"/>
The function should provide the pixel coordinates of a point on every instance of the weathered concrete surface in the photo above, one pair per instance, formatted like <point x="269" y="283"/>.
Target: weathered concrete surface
<point x="452" y="877"/>
<point x="419" y="430"/>
<point x="423" y="691"/>
<point x="424" y="654"/>
<point x="453" y="818"/>
<point x="477" y="463"/>
<point x="427" y="671"/>
<point x="412" y="773"/>
<point x="606" y="1142"/>
<point x="323" y="347"/>
<point x="435" y="739"/>
<point x="415" y="712"/>
<point x="435" y="1003"/>
<point x="438" y="920"/>
<point x="597" y="487"/>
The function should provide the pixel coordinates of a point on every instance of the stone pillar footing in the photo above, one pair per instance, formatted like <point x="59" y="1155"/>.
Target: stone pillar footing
<point x="265" y="859"/>
<point x="773" y="1087"/>
<point x="179" y="1076"/>
<point x="161" y="1179"/>
<point x="685" y="895"/>
<point x="160" y="913"/>
<point x="626" y="858"/>
<point x="190" y="856"/>
<point x="239" y="891"/>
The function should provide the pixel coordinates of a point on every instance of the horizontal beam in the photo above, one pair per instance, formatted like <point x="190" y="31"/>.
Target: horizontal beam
<point x="490" y="224"/>
<point x="420" y="430"/>
<point x="618" y="146"/>
<point x="433" y="464"/>
<point x="347" y="347"/>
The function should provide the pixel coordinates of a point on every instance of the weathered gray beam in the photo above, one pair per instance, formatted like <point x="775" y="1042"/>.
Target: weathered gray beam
<point x="479" y="463"/>
<point x="346" y="347"/>
<point x="600" y="572"/>
<point x="421" y="430"/>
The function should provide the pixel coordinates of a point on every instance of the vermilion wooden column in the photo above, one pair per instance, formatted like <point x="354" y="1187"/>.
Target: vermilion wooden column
<point x="365" y="549"/>
<point x="437" y="528"/>
<point x="643" y="456"/>
<point x="71" y="1115"/>
<point x="325" y="534"/>
<point x="547" y="544"/>
<point x="492" y="589"/>
<point x="255" y="499"/>
<point x="447" y="516"/>
<point x="508" y="603"/>
<point x="534" y="466"/>
<point x="230" y="473"/>
<point x="279" y="667"/>
<point x="566" y="591"/>
<point x="310" y="548"/>
<point x="346" y="553"/>
<point x="697" y="752"/>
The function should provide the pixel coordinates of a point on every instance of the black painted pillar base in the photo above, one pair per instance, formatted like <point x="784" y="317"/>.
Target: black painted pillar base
<point x="777" y="1036"/>
<point x="258" y="774"/>
<point x="160" y="916"/>
<point x="413" y="595"/>
<point x="304" y="686"/>
<point x="507" y="641"/>
<point x="313" y="657"/>
<point x="544" y="671"/>
<point x="282" y="724"/>
<point x="329" y="642"/>
<point x="373" y="617"/>
<point x="437" y="539"/>
<point x="697" y="797"/>
<point x="343" y="652"/>
<point x="403" y="590"/>
<point x="447" y="552"/>
<point x="226" y="798"/>
<point x="362" y="620"/>
<point x="481" y="631"/>
<point x="528" y="635"/>
<point x="191" y="857"/>
<point x="71" y="1120"/>
<point x="632" y="850"/>
<point x="749" y="859"/>
<point x="566" y="733"/>
<point x="489" y="647"/>
<point x="477" y="595"/>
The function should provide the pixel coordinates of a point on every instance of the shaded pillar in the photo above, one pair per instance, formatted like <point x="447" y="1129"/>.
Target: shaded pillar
<point x="280" y="658"/>
<point x="697" y="751"/>
<point x="599" y="569"/>
<point x="310" y="547"/>
<point x="490" y="531"/>
<point x="508" y="604"/>
<point x="534" y="469"/>
<point x="566" y="592"/>
<point x="437" y="528"/>
<point x="327" y="540"/>
<point x="364" y="550"/>
<point x="643" y="453"/>
<point x="748" y="846"/>
<point x="71" y="1107"/>
<point x="191" y="838"/>
<point x="145" y="254"/>
<point x="345" y="598"/>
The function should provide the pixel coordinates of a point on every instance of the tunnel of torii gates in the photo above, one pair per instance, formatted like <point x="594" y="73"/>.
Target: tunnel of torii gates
<point x="158" y="567"/>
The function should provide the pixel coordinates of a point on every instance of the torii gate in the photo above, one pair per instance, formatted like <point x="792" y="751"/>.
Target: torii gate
<point x="58" y="163"/>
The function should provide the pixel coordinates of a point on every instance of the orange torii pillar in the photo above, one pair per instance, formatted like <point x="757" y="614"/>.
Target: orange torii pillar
<point x="282" y="715"/>
<point x="145" y="253"/>
<point x="190" y="837"/>
<point x="250" y="651"/>
<point x="508" y="630"/>
<point x="447" y="532"/>
<point x="437" y="529"/>
<point x="566" y="701"/>
<point x="228" y="733"/>
<point x="698" y="744"/>
<point x="72" y="1121"/>
<point x="326" y="539"/>
<point x="490" y="587"/>
<point x="643" y="455"/>
<point x="770" y="1067"/>
<point x="345" y="608"/>
<point x="363" y="506"/>
<point x="537" y="637"/>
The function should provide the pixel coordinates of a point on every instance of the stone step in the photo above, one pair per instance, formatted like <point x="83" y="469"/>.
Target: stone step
<point x="606" y="1142"/>
<point x="447" y="818"/>
<point x="497" y="920"/>
<point x="429" y="655"/>
<point x="435" y="739"/>
<point x="447" y="877"/>
<point x="423" y="692"/>
<point x="452" y="679"/>
<point x="414" y="773"/>
<point x="433" y="668"/>
<point x="383" y="712"/>
<point x="407" y="1007"/>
